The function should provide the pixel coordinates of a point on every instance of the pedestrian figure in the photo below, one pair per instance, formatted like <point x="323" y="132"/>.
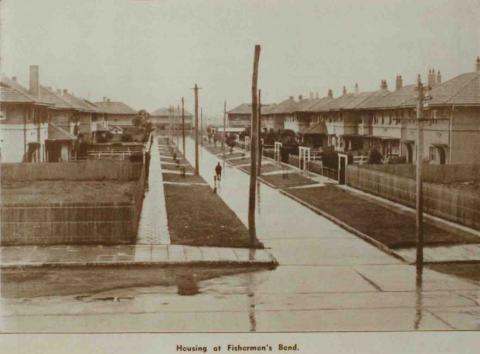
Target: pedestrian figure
<point x="218" y="172"/>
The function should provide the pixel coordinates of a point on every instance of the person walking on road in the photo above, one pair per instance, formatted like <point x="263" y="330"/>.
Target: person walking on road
<point x="218" y="172"/>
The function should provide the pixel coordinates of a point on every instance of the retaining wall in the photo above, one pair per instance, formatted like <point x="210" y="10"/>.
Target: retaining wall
<point x="454" y="204"/>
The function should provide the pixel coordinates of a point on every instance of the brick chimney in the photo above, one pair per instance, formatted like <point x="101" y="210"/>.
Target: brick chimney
<point x="478" y="64"/>
<point x="65" y="91"/>
<point x="398" y="82"/>
<point x="291" y="97"/>
<point x="383" y="85"/>
<point x="357" y="90"/>
<point x="344" y="90"/>
<point x="330" y="93"/>
<point x="34" y="87"/>
<point x="14" y="78"/>
<point x="439" y="78"/>
<point x="431" y="78"/>
<point x="300" y="97"/>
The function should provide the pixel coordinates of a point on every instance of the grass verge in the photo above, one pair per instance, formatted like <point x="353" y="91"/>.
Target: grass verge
<point x="393" y="229"/>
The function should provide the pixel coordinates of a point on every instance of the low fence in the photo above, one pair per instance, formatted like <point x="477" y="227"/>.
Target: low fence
<point x="460" y="205"/>
<point x="71" y="171"/>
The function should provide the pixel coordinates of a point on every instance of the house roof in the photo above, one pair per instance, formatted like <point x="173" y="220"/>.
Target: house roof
<point x="57" y="133"/>
<point x="463" y="89"/>
<point x="164" y="112"/>
<point x="12" y="91"/>
<point x="246" y="108"/>
<point x="11" y="95"/>
<point x="48" y="95"/>
<point x="305" y="104"/>
<point x="77" y="103"/>
<point x="287" y="106"/>
<point x="393" y="99"/>
<point x="320" y="103"/>
<point x="115" y="107"/>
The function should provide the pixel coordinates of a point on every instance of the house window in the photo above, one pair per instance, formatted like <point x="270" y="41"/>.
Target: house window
<point x="432" y="153"/>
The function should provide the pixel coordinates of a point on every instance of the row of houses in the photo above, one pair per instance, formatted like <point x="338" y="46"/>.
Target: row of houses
<point x="40" y="124"/>
<point x="384" y="119"/>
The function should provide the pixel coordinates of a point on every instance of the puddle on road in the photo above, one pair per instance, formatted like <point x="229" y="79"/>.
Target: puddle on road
<point x="84" y="283"/>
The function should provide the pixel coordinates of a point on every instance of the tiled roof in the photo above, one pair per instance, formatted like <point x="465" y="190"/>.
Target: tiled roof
<point x="163" y="112"/>
<point x="394" y="99"/>
<point x="320" y="103"/>
<point x="50" y="96"/>
<point x="461" y="90"/>
<point x="9" y="94"/>
<point x="305" y="104"/>
<point x="112" y="107"/>
<point x="78" y="103"/>
<point x="285" y="107"/>
<point x="246" y="108"/>
<point x="57" y="133"/>
<point x="370" y="98"/>
<point x="12" y="91"/>
<point x="269" y="109"/>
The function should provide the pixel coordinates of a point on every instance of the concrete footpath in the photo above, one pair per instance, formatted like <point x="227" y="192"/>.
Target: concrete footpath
<point x="132" y="255"/>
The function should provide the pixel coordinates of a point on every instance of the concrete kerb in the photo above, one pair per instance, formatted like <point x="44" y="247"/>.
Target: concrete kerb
<point x="345" y="226"/>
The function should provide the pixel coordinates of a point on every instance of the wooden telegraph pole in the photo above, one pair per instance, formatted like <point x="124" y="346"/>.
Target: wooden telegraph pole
<point x="259" y="128"/>
<point x="253" y="150"/>
<point x="201" y="125"/>
<point x="177" y="118"/>
<point x="195" y="89"/>
<point x="224" y="121"/>
<point x="183" y="127"/>
<point x="419" y="171"/>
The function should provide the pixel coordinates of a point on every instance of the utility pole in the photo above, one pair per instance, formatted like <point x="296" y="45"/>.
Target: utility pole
<point x="253" y="150"/>
<point x="195" y="89"/>
<point x="419" y="170"/>
<point x="177" y="118"/>
<point x="224" y="121"/>
<point x="259" y="128"/>
<point x="201" y="125"/>
<point x="183" y="127"/>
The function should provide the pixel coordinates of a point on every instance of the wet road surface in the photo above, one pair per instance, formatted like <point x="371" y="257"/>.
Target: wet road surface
<point x="328" y="280"/>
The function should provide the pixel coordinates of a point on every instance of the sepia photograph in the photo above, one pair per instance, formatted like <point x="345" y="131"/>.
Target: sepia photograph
<point x="241" y="176"/>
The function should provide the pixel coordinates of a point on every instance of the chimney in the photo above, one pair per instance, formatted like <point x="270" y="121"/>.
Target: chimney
<point x="108" y="100"/>
<point x="478" y="64"/>
<point x="300" y="97"/>
<point x="330" y="93"/>
<point x="104" y="99"/>
<point x="34" y="87"/>
<point x="344" y="90"/>
<point x="398" y="82"/>
<point x="383" y="85"/>
<point x="439" y="78"/>
<point x="431" y="78"/>
<point x="65" y="91"/>
<point x="14" y="78"/>
<point x="357" y="90"/>
<point x="317" y="96"/>
<point x="291" y="97"/>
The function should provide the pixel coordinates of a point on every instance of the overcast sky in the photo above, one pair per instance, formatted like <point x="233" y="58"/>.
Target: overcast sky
<point x="149" y="53"/>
